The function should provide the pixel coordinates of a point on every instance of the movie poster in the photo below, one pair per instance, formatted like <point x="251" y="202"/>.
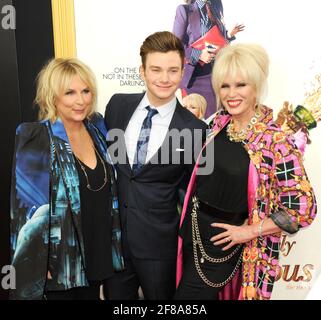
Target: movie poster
<point x="109" y="35"/>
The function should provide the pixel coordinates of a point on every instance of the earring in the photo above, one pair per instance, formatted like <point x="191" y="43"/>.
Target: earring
<point x="257" y="110"/>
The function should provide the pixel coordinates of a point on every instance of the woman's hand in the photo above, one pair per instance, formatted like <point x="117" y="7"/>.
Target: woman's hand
<point x="233" y="235"/>
<point x="238" y="28"/>
<point x="207" y="55"/>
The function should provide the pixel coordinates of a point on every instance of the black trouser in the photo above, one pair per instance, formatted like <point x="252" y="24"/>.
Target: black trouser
<point x="155" y="277"/>
<point x="79" y="293"/>
<point x="192" y="287"/>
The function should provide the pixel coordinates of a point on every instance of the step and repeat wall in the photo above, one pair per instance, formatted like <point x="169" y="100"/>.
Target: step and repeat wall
<point x="108" y="38"/>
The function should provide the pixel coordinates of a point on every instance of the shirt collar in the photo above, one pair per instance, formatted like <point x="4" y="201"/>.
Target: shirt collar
<point x="163" y="110"/>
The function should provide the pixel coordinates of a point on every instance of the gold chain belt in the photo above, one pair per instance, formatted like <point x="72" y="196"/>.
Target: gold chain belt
<point x="197" y="243"/>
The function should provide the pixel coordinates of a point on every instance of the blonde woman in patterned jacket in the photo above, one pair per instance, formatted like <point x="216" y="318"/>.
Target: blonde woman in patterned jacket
<point x="233" y="218"/>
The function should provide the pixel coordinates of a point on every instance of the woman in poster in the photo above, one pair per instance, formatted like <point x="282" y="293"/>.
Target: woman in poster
<point x="192" y="21"/>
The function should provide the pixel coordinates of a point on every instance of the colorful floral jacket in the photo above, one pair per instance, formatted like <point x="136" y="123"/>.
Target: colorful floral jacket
<point x="46" y="235"/>
<point x="278" y="188"/>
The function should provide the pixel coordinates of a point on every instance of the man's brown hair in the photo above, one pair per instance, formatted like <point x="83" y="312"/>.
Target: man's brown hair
<point x="163" y="41"/>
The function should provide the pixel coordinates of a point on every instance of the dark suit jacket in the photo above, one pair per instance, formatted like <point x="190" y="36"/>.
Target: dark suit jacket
<point x="148" y="200"/>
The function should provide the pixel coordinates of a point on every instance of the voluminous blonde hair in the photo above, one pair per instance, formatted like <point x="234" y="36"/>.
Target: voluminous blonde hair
<point x="196" y="100"/>
<point x="250" y="60"/>
<point x="55" y="78"/>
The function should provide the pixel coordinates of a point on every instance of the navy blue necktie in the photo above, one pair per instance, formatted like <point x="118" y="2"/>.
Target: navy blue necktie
<point x="142" y="143"/>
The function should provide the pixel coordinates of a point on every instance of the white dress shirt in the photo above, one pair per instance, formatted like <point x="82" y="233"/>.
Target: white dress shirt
<point x="160" y="124"/>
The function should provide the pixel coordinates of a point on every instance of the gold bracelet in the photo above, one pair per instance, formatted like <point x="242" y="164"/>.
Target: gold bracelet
<point x="260" y="229"/>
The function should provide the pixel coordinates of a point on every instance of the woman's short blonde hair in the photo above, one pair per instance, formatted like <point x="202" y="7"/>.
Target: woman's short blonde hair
<point x="196" y="100"/>
<point x="55" y="78"/>
<point x="250" y="60"/>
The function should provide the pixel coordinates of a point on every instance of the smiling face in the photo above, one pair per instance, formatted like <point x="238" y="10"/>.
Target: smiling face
<point x="75" y="102"/>
<point x="162" y="75"/>
<point x="238" y="96"/>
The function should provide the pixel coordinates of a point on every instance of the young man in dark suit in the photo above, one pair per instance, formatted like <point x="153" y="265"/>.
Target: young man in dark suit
<point x="155" y="142"/>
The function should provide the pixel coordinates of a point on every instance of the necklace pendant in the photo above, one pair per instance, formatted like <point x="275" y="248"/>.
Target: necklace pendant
<point x="253" y="120"/>
<point x="242" y="134"/>
<point x="86" y="176"/>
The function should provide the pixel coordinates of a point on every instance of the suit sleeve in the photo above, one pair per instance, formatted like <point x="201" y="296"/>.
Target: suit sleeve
<point x="108" y="113"/>
<point x="29" y="209"/>
<point x="180" y="22"/>
<point x="180" y="30"/>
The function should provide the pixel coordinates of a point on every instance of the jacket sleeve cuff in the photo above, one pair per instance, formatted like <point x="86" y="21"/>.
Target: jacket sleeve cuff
<point x="284" y="221"/>
<point x="195" y="56"/>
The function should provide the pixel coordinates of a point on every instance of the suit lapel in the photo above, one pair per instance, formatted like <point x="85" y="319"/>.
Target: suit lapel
<point x="178" y="121"/>
<point x="128" y="108"/>
<point x="62" y="152"/>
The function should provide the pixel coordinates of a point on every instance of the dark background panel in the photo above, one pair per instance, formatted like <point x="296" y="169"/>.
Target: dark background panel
<point x="34" y="41"/>
<point x="23" y="51"/>
<point x="9" y="117"/>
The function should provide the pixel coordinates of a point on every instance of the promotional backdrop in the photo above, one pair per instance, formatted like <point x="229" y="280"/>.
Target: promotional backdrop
<point x="109" y="35"/>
